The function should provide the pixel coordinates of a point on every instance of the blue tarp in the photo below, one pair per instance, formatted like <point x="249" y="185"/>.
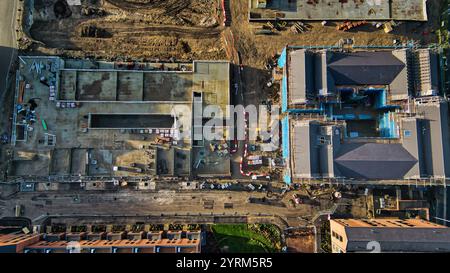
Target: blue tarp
<point x="284" y="86"/>
<point x="287" y="178"/>
<point x="365" y="117"/>
<point x="381" y="100"/>
<point x="283" y="59"/>
<point x="285" y="137"/>
<point x="349" y="117"/>
<point x="284" y="95"/>
<point x="387" y="126"/>
<point x="286" y="148"/>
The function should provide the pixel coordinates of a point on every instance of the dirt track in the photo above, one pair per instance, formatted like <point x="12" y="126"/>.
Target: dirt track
<point x="134" y="40"/>
<point x="137" y="29"/>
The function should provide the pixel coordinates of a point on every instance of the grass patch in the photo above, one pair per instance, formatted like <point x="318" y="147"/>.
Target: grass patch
<point x="247" y="238"/>
<point x="325" y="236"/>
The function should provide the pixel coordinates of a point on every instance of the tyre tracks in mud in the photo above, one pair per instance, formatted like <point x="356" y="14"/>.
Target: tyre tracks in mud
<point x="122" y="34"/>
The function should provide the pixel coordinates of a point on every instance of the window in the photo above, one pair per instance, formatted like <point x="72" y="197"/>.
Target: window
<point x="322" y="140"/>
<point x="337" y="236"/>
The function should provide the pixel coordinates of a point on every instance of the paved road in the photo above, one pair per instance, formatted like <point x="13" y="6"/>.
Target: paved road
<point x="7" y="40"/>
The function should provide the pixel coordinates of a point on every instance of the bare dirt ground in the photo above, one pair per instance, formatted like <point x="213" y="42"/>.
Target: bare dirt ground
<point x="133" y="29"/>
<point x="191" y="29"/>
<point x="301" y="241"/>
<point x="256" y="49"/>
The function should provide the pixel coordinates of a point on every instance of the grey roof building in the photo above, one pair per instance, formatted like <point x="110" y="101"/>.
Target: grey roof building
<point x="388" y="235"/>
<point x="374" y="161"/>
<point x="403" y="72"/>
<point x="376" y="115"/>
<point x="320" y="149"/>
<point x="365" y="68"/>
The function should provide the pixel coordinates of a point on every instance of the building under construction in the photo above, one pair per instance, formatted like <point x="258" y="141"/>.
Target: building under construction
<point x="373" y="116"/>
<point x="411" y="10"/>
<point x="81" y="118"/>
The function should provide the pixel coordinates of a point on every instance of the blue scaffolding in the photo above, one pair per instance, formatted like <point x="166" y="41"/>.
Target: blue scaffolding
<point x="285" y="147"/>
<point x="387" y="126"/>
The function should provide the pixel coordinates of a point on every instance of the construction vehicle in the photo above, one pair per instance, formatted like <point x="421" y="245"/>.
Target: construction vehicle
<point x="280" y="25"/>
<point x="44" y="125"/>
<point x="387" y="27"/>
<point x="269" y="25"/>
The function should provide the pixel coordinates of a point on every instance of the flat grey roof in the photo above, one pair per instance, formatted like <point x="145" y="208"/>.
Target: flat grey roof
<point x="314" y="72"/>
<point x="298" y="84"/>
<point x="399" y="239"/>
<point x="435" y="135"/>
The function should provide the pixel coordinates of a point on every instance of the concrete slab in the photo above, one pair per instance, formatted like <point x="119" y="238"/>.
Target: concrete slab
<point x="68" y="85"/>
<point x="414" y="10"/>
<point x="168" y="87"/>
<point x="60" y="164"/>
<point x="149" y="93"/>
<point x="100" y="162"/>
<point x="130" y="86"/>
<point x="96" y="86"/>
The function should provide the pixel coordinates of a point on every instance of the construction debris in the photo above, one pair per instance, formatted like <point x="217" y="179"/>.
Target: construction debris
<point x="347" y="25"/>
<point x="300" y="27"/>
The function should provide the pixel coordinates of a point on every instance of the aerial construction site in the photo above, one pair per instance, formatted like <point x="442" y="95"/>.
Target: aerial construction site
<point x="108" y="106"/>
